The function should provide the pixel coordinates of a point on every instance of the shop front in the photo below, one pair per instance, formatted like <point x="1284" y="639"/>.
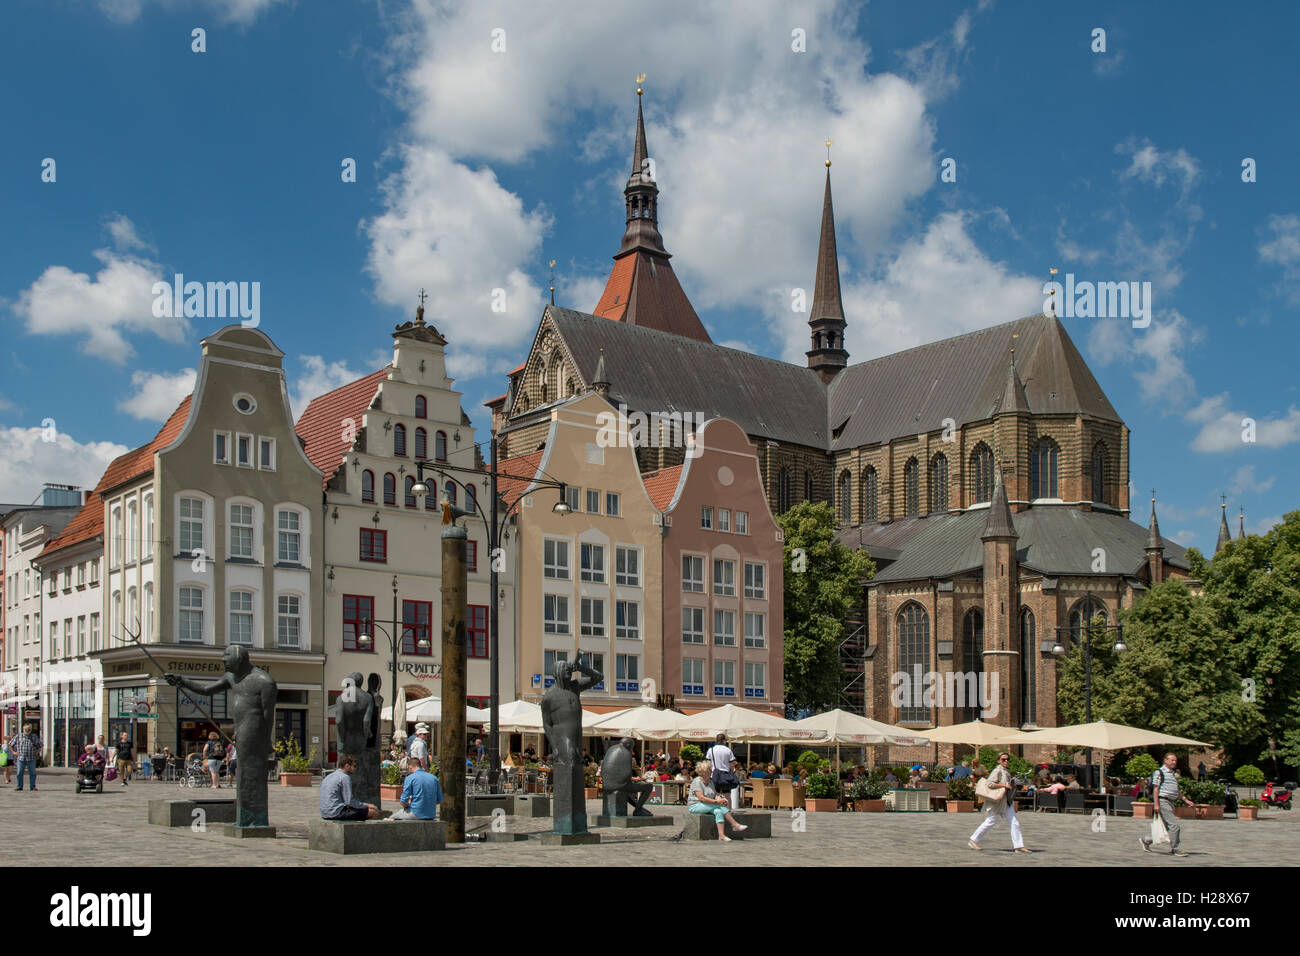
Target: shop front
<point x="68" y="710"/>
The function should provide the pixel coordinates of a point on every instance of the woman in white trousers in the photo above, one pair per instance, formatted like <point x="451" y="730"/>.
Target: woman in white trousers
<point x="1004" y="806"/>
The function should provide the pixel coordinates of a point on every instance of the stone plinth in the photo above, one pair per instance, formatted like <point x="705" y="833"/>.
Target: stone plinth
<point x="569" y="839"/>
<point x="504" y="837"/>
<point x="180" y="813"/>
<point x="482" y="804"/>
<point x="372" y="836"/>
<point x="247" y="833"/>
<point x="631" y="823"/>
<point x="532" y="805"/>
<point x="701" y="826"/>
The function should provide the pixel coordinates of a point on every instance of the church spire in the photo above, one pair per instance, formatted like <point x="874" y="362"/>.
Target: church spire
<point x="1154" y="541"/>
<point x="998" y="524"/>
<point x="826" y="321"/>
<point x="1014" y="398"/>
<point x="1155" y="548"/>
<point x="1241" y="524"/>
<point x="641" y="195"/>
<point x="1224" y="534"/>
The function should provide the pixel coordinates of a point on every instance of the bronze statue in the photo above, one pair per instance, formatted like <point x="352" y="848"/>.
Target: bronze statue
<point x="621" y="788"/>
<point x="353" y="717"/>
<point x="252" y="696"/>
<point x="562" y="720"/>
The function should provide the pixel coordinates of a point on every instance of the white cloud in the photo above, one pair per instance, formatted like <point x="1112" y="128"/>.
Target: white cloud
<point x="1221" y="427"/>
<point x="1149" y="165"/>
<point x="156" y="394"/>
<point x="318" y="377"/>
<point x="935" y="64"/>
<point x="122" y="230"/>
<point x="1263" y="525"/>
<point x="242" y="12"/>
<point x="27" y="462"/>
<point x="1156" y="355"/>
<point x="102" y="311"/>
<point x="1186" y="538"/>
<point x="6" y="405"/>
<point x="1283" y="248"/>
<point x="1244" y="482"/>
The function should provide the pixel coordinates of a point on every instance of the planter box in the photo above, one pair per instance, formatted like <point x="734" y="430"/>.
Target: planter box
<point x="1185" y="813"/>
<point x="591" y="793"/>
<point x="961" y="806"/>
<point x="1144" y="811"/>
<point x="1208" y="811"/>
<point x="1248" y="813"/>
<point x="295" y="779"/>
<point x="821" y="804"/>
<point x="390" y="791"/>
<point x="869" y="806"/>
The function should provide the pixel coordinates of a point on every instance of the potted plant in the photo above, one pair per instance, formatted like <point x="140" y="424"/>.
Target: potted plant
<point x="591" y="782"/>
<point x="690" y="755"/>
<point x="1248" y="809"/>
<point x="1249" y="776"/>
<point x="391" y="778"/>
<point x="869" y="795"/>
<point x="961" y="795"/>
<point x="1143" y="808"/>
<point x="295" y="768"/>
<point x="1208" y="796"/>
<point x="823" y="793"/>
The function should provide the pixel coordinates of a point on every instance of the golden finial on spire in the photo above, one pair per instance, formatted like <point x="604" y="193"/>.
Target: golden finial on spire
<point x="640" y="78"/>
<point x="828" y="152"/>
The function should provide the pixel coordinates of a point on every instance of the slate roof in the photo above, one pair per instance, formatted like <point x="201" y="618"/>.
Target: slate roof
<point x="653" y="371"/>
<point x="963" y="378"/>
<point x="1052" y="539"/>
<point x="321" y="424"/>
<point x="139" y="462"/>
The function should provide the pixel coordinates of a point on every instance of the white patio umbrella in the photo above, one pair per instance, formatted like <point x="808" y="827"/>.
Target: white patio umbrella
<point x="640" y="723"/>
<point x="429" y="710"/>
<point x="977" y="733"/>
<point x="399" y="713"/>
<point x="747" y="726"/>
<point x="847" y="728"/>
<point x="1099" y="735"/>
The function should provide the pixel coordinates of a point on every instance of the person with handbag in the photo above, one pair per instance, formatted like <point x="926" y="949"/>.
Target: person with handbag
<point x="997" y="790"/>
<point x="721" y="758"/>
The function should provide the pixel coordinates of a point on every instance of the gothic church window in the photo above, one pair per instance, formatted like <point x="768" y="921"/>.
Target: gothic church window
<point x="1042" y="469"/>
<point x="1029" y="672"/>
<point x="911" y="488"/>
<point x="938" y="484"/>
<point x="914" y="658"/>
<point x="981" y="474"/>
<point x="846" y="503"/>
<point x="972" y="659"/>
<point x="870" y="489"/>
<point x="1099" y="472"/>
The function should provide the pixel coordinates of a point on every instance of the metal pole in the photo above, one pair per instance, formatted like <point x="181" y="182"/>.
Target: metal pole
<point x="392" y="642"/>
<point x="494" y="651"/>
<point x="454" y="610"/>
<point x="1087" y="679"/>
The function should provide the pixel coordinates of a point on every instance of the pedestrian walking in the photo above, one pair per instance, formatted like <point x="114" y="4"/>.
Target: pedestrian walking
<point x="1200" y="771"/>
<point x="7" y="761"/>
<point x="125" y="759"/>
<point x="214" y="754"/>
<point x="1165" y="784"/>
<point x="1003" y="805"/>
<point x="26" y="748"/>
<point x="419" y="748"/>
<point x="231" y="756"/>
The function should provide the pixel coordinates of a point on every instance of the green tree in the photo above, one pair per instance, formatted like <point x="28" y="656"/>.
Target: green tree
<point x="823" y="584"/>
<point x="1253" y="590"/>
<point x="1176" y="675"/>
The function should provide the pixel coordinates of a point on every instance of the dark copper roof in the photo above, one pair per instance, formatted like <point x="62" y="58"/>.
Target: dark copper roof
<point x="826" y="289"/>
<point x="999" y="523"/>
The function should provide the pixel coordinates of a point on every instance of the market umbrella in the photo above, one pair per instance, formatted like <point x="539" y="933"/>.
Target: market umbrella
<point x="429" y="710"/>
<point x="640" y="723"/>
<point x="399" y="714"/>
<point x="752" y="726"/>
<point x="977" y="733"/>
<point x="1100" y="735"/>
<point x="847" y="728"/>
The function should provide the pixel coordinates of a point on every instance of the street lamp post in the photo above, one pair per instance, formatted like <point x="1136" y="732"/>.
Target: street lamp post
<point x="494" y="523"/>
<point x="1089" y="628"/>
<point x="365" y="638"/>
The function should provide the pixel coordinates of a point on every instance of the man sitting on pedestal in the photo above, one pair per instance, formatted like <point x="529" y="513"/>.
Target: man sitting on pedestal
<point x="421" y="794"/>
<point x="336" y="801"/>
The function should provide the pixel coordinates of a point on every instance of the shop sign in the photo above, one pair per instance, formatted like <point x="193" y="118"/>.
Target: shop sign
<point x="420" y="671"/>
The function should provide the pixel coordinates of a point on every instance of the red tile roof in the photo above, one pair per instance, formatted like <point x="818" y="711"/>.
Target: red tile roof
<point x="618" y="289"/>
<point x="661" y="485"/>
<point x="136" y="464"/>
<point x="321" y="423"/>
<point x="516" y="371"/>
<point x="511" y="488"/>
<point x="89" y="521"/>
<point x="495" y="401"/>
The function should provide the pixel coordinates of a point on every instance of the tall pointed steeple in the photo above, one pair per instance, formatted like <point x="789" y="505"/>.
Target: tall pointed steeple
<point x="1241" y="524"/>
<point x="1153" y="529"/>
<point x="1155" y="548"/>
<point x="1014" y="398"/>
<point x="826" y="320"/>
<point x="642" y="288"/>
<point x="999" y="524"/>
<point x="1224" y="534"/>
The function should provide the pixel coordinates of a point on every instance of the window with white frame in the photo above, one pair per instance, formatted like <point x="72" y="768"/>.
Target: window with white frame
<point x="146" y="537"/>
<point x="593" y="501"/>
<point x="54" y="583"/>
<point x="742" y="522"/>
<point x="221" y="448"/>
<point x="266" y="454"/>
<point x="755" y="580"/>
<point x="724" y="577"/>
<point x="593" y="563"/>
<point x="114" y="616"/>
<point x="706" y="518"/>
<point x="288" y="537"/>
<point x="555" y="559"/>
<point x="81" y="635"/>
<point x="627" y="567"/>
<point x="288" y="626"/>
<point x="115" y="541"/>
<point x="94" y="572"/>
<point x="724" y="628"/>
<point x="133" y="609"/>
<point x="693" y="573"/>
<point x="755" y="674"/>
<point x="692" y="625"/>
<point x="54" y="640"/>
<point x="555" y="614"/>
<point x="190" y="533"/>
<point x="627" y="620"/>
<point x="244" y="451"/>
<point x="593" y="617"/>
<point x="241" y="618"/>
<point x="190" y="630"/>
<point x="692" y="677"/>
<point x="755" y="629"/>
<point x="67" y="579"/>
<point x="241" y="531"/>
<point x="724" y="678"/>
<point x="549" y="660"/>
<point x="148" y="607"/>
<point x="94" y="632"/>
<point x="612" y="504"/>
<point x="627" y="672"/>
<point x="132" y="532"/>
<point x="573" y="495"/>
<point x="724" y="519"/>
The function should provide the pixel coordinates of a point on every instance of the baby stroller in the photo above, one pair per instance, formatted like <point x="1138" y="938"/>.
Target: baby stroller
<point x="90" y="773"/>
<point x="193" y="774"/>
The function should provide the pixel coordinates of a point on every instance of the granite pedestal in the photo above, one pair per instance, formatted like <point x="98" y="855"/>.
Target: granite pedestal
<point x="180" y="813"/>
<point x="532" y="805"/>
<point x="632" y="823"/>
<point x="701" y="826"/>
<point x="569" y="839"/>
<point x="372" y="836"/>
<point x="482" y="804"/>
<point x="247" y="833"/>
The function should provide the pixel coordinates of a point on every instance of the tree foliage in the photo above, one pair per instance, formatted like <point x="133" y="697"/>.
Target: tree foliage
<point x="823" y="584"/>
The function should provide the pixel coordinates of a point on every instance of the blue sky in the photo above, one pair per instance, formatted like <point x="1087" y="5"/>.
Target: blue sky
<point x="475" y="166"/>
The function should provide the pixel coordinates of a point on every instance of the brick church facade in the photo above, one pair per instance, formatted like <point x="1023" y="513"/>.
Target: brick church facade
<point x="985" y="474"/>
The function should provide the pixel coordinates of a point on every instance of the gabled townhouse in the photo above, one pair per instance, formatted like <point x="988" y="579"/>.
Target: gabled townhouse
<point x="213" y="538"/>
<point x="382" y="554"/>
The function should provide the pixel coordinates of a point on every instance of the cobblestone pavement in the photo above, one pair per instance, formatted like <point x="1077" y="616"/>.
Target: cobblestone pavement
<point x="56" y="826"/>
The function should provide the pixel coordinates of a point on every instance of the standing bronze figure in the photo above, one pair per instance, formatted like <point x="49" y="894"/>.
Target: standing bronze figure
<point x="562" y="720"/>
